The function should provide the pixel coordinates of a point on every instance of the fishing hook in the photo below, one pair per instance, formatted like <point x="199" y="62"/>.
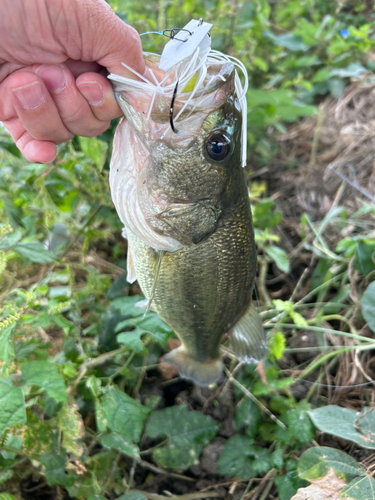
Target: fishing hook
<point x="170" y="33"/>
<point x="171" y="109"/>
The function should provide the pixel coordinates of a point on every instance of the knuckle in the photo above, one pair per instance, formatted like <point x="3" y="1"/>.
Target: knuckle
<point x="97" y="130"/>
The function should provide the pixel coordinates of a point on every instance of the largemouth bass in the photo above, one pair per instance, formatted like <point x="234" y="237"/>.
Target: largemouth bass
<point x="183" y="199"/>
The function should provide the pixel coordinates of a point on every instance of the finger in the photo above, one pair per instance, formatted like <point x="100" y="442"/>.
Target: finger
<point x="98" y="92"/>
<point x="33" y="150"/>
<point x="113" y="43"/>
<point x="74" y="110"/>
<point x="29" y="99"/>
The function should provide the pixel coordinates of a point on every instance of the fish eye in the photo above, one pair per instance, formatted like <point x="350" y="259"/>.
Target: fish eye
<point x="217" y="146"/>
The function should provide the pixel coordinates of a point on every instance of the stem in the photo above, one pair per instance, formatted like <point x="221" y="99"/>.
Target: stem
<point x="254" y="399"/>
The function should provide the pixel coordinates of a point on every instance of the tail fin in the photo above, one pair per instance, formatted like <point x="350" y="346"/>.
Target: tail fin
<point x="202" y="374"/>
<point x="247" y="337"/>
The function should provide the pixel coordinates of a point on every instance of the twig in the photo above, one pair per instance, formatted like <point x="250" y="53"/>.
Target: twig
<point x="254" y="399"/>
<point x="263" y="486"/>
<point x="188" y="496"/>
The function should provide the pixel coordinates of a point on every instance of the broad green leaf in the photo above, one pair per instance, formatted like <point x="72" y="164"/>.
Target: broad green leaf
<point x="45" y="374"/>
<point x="300" y="430"/>
<point x="340" y="422"/>
<point x="35" y="251"/>
<point x="314" y="463"/>
<point x="54" y="468"/>
<point x="289" y="41"/>
<point x="12" y="405"/>
<point x="94" y="148"/>
<point x="123" y="414"/>
<point x="367" y="305"/>
<point x="7" y="496"/>
<point x="5" y="475"/>
<point x="7" y="350"/>
<point x="96" y="497"/>
<point x="288" y="484"/>
<point x="353" y="70"/>
<point x="12" y="149"/>
<point x="115" y="440"/>
<point x="360" y="488"/>
<point x="127" y="306"/>
<point x="187" y="433"/>
<point x="279" y="256"/>
<point x="10" y="240"/>
<point x="131" y="496"/>
<point x="152" y="324"/>
<point x="241" y="458"/>
<point x="132" y="340"/>
<point x="248" y="417"/>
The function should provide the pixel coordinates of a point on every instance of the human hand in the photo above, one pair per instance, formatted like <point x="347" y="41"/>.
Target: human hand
<point x="53" y="59"/>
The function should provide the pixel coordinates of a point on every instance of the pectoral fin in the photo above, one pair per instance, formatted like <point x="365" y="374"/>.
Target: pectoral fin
<point x="130" y="268"/>
<point x="247" y="337"/>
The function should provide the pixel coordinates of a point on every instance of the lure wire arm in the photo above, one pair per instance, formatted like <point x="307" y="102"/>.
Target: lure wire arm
<point x="170" y="33"/>
<point x="171" y="109"/>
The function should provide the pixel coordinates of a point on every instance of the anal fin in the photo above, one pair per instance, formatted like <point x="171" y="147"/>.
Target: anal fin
<point x="247" y="337"/>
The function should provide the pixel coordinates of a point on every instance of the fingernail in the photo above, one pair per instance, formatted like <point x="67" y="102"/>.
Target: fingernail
<point x="53" y="76"/>
<point x="92" y="92"/>
<point x="30" y="96"/>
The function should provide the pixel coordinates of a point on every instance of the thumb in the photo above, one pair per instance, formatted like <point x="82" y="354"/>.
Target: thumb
<point x="108" y="40"/>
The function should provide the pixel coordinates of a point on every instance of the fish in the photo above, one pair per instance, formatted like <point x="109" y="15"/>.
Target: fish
<point x="183" y="199"/>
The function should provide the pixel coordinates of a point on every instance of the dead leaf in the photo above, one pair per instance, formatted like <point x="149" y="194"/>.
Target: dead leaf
<point x="325" y="488"/>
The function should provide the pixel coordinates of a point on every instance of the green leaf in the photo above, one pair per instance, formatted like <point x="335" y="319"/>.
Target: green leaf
<point x="279" y="256"/>
<point x="187" y="433"/>
<point x="7" y="350"/>
<point x="315" y="462"/>
<point x="5" y="475"/>
<point x="127" y="306"/>
<point x="289" y="41"/>
<point x="54" y="468"/>
<point x="132" y="340"/>
<point x="288" y="484"/>
<point x="241" y="458"/>
<point x="277" y="345"/>
<point x="7" y="496"/>
<point x="10" y="240"/>
<point x="248" y="417"/>
<point x="115" y="440"/>
<point x="35" y="251"/>
<point x="131" y="496"/>
<point x="360" y="488"/>
<point x="45" y="374"/>
<point x="340" y="422"/>
<point x="300" y="430"/>
<point x="12" y="405"/>
<point x="367" y="305"/>
<point x="123" y="414"/>
<point x="263" y="215"/>
<point x="152" y="324"/>
<point x="94" y="148"/>
<point x="353" y="70"/>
